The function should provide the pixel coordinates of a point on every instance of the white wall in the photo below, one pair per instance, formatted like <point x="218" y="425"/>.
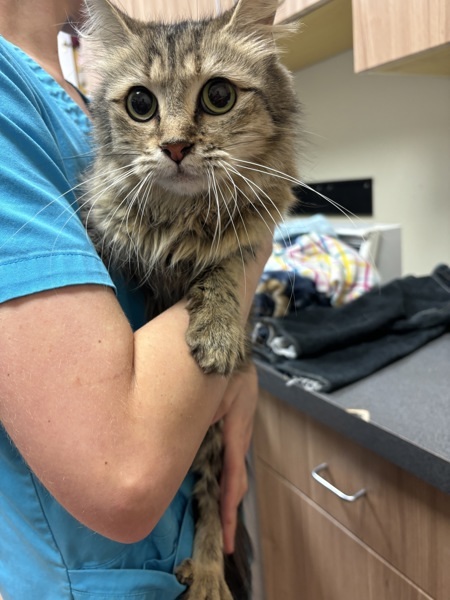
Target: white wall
<point x="394" y="129"/>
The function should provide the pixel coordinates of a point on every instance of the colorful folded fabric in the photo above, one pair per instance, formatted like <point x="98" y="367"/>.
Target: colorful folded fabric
<point x="336" y="270"/>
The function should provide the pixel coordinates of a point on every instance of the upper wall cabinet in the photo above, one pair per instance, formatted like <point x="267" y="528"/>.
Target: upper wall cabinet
<point x="325" y="29"/>
<point x="411" y="36"/>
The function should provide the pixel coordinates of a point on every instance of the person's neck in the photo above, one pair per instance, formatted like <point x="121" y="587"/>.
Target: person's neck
<point x="33" y="26"/>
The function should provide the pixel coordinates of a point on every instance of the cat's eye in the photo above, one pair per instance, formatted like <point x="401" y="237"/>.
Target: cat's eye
<point x="218" y="96"/>
<point x="141" y="104"/>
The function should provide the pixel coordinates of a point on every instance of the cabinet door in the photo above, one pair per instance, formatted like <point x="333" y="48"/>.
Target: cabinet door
<point x="401" y="518"/>
<point x="307" y="555"/>
<point x="400" y="35"/>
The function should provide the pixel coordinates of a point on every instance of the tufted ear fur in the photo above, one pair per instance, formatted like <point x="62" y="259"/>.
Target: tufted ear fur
<point x="106" y="24"/>
<point x="257" y="17"/>
<point x="254" y="12"/>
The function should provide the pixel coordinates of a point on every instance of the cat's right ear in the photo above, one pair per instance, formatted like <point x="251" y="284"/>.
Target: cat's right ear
<point x="104" y="23"/>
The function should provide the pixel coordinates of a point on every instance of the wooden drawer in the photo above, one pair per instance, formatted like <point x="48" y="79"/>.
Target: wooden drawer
<point x="401" y="518"/>
<point x="308" y="555"/>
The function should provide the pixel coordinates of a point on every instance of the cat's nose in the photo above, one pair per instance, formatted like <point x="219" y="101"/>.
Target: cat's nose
<point x="177" y="151"/>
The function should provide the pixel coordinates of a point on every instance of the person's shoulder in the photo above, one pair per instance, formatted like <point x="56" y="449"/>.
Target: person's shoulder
<point x="10" y="57"/>
<point x="14" y="74"/>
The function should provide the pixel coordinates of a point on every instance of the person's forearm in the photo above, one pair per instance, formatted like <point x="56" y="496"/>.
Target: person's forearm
<point x="109" y="421"/>
<point x="183" y="406"/>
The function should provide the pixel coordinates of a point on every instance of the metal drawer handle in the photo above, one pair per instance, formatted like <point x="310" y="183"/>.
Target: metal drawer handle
<point x="315" y="473"/>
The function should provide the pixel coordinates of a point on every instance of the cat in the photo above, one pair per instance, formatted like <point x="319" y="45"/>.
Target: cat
<point x="195" y="128"/>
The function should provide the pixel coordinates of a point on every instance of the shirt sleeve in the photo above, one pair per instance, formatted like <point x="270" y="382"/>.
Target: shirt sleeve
<point x="43" y="244"/>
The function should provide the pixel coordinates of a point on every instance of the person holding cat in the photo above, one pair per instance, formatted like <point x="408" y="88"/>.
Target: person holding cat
<point x="99" y="423"/>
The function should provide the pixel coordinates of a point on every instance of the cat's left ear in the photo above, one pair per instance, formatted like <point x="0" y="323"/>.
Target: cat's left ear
<point x="249" y="13"/>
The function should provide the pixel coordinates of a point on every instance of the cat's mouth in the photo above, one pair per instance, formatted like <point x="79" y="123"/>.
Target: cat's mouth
<point x="184" y="181"/>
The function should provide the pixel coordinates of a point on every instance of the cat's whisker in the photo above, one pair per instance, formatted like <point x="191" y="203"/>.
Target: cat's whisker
<point x="235" y="197"/>
<point x="280" y="174"/>
<point x="208" y="175"/>
<point x="104" y="149"/>
<point x="250" y="185"/>
<point x="100" y="185"/>
<point x="236" y="234"/>
<point x="255" y="208"/>
<point x="130" y="199"/>
<point x="133" y="198"/>
<point x="145" y="197"/>
<point x="82" y="205"/>
<point x="218" y="228"/>
<point x="253" y="184"/>
<point x="123" y="177"/>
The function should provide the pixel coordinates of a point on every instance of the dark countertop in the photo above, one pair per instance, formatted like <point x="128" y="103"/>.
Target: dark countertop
<point x="408" y="403"/>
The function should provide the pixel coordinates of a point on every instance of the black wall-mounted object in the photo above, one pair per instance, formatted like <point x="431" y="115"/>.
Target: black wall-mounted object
<point x="353" y="195"/>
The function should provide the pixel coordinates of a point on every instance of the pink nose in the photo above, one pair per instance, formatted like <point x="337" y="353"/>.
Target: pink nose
<point x="176" y="151"/>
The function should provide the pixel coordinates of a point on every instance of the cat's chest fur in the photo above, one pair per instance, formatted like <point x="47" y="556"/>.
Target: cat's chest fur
<point x="167" y="256"/>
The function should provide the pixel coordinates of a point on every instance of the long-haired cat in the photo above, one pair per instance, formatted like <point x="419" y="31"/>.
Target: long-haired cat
<point x="193" y="123"/>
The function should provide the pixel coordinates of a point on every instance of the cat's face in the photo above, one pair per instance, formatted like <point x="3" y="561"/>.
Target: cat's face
<point x="187" y="113"/>
<point x="182" y="104"/>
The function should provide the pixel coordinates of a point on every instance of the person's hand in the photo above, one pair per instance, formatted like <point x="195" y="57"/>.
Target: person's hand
<point x="237" y="411"/>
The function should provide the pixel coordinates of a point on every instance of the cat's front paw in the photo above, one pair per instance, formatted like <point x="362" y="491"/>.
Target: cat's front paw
<point x="217" y="347"/>
<point x="204" y="582"/>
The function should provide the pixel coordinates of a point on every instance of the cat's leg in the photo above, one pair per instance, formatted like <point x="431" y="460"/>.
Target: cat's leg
<point x="216" y="336"/>
<point x="204" y="573"/>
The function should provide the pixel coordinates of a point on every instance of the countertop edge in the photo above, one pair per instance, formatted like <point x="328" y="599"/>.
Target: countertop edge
<point x="418" y="461"/>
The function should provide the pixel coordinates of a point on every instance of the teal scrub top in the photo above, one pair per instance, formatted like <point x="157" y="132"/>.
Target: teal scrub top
<point x="44" y="552"/>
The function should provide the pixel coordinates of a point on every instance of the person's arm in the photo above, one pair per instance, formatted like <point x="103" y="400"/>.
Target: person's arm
<point x="237" y="410"/>
<point x="110" y="421"/>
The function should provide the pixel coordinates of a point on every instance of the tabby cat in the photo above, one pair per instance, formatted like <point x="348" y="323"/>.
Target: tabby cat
<point x="195" y="126"/>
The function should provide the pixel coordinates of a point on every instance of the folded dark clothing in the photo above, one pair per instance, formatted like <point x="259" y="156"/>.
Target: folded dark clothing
<point x="329" y="348"/>
<point x="336" y="369"/>
<point x="408" y="303"/>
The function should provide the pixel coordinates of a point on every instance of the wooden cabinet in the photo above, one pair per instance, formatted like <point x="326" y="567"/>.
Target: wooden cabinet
<point x="409" y="36"/>
<point x="402" y="35"/>
<point x="310" y="556"/>
<point x="392" y="543"/>
<point x="325" y="30"/>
